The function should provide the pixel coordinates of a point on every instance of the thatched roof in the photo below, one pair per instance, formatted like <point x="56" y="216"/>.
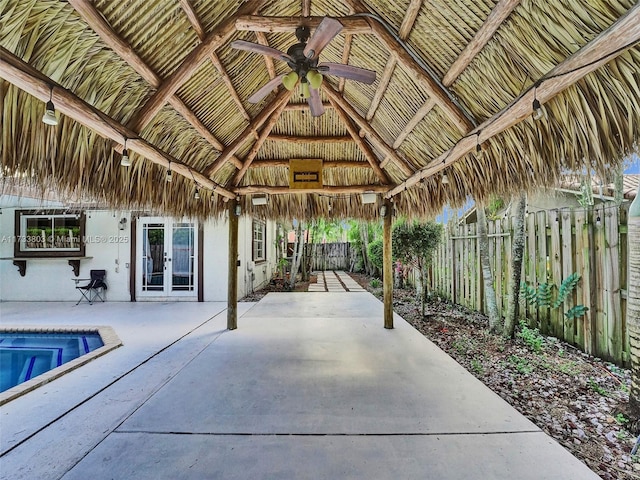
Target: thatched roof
<point x="451" y="75"/>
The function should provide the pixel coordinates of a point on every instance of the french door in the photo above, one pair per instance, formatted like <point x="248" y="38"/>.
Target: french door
<point x="167" y="263"/>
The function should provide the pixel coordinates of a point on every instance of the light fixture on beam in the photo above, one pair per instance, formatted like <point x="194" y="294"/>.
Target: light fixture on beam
<point x="538" y="110"/>
<point x="368" y="197"/>
<point x="49" y="116"/>
<point x="196" y="195"/>
<point x="259" y="200"/>
<point x="445" y="179"/>
<point x="169" y="175"/>
<point x="383" y="211"/>
<point x="125" y="161"/>
<point x="238" y="209"/>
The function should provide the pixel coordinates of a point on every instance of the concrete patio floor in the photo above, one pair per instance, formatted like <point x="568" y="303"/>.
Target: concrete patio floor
<point x="309" y="386"/>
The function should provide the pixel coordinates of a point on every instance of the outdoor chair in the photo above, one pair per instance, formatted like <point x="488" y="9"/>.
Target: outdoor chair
<point x="93" y="290"/>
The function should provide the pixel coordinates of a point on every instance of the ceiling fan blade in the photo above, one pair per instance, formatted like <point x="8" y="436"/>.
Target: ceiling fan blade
<point x="261" y="49"/>
<point x="265" y="89"/>
<point x="328" y="28"/>
<point x="347" y="71"/>
<point x="315" y="103"/>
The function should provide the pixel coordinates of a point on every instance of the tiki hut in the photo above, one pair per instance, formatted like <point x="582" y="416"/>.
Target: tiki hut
<point x="491" y="96"/>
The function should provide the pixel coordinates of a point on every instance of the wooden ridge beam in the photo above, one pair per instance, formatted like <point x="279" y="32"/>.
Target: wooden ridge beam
<point x="407" y="24"/>
<point x="374" y="137"/>
<point x="190" y="64"/>
<point x="325" y="164"/>
<point x="249" y="130"/>
<point x="366" y="149"/>
<point x="27" y="78"/>
<point x="266" y="130"/>
<point x="309" y="139"/>
<point x="619" y="37"/>
<point x="424" y="79"/>
<point x="498" y="15"/>
<point x="306" y="8"/>
<point x="256" y="23"/>
<point x="328" y="189"/>
<point x="98" y="24"/>
<point x="268" y="61"/>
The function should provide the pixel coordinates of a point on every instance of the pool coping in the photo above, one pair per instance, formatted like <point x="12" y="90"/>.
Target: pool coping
<point x="109" y="338"/>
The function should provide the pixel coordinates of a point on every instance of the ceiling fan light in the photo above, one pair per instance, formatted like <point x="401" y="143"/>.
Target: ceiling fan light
<point x="289" y="80"/>
<point x="315" y="79"/>
<point x="49" y="116"/>
<point x="306" y="92"/>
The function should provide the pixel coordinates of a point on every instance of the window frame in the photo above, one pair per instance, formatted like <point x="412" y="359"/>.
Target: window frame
<point x="19" y="249"/>
<point x="255" y="242"/>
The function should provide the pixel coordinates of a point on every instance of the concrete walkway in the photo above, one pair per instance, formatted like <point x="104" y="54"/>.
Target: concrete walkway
<point x="310" y="386"/>
<point x="334" y="281"/>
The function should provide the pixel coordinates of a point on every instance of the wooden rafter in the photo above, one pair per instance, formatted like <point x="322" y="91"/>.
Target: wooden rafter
<point x="296" y="107"/>
<point x="193" y="18"/>
<point x="309" y="140"/>
<point x="424" y="79"/>
<point x="268" y="61"/>
<point x="415" y="120"/>
<point x="306" y="8"/>
<point x="387" y="73"/>
<point x="373" y="136"/>
<point x="366" y="149"/>
<point x="27" y="78"/>
<point x="249" y="130"/>
<point x="348" y="38"/>
<point x="329" y="189"/>
<point x="325" y="164"/>
<point x="190" y="64"/>
<point x="622" y="35"/>
<point x="498" y="15"/>
<point x="255" y="23"/>
<point x="98" y="24"/>
<point x="264" y="133"/>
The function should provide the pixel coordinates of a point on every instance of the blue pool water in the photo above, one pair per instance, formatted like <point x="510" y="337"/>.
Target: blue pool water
<point x="24" y="356"/>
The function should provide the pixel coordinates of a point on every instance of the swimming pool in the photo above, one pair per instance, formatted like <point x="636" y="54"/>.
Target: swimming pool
<point x="30" y="358"/>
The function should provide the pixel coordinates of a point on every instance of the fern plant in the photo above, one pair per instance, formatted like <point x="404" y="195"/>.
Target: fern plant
<point x="543" y="295"/>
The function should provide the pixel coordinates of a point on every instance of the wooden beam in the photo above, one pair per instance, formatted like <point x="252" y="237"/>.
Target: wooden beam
<point x="425" y="80"/>
<point x="193" y="18"/>
<point x="256" y="123"/>
<point x="415" y="120"/>
<point x="345" y="58"/>
<point x="254" y="23"/>
<point x="325" y="164"/>
<point x="387" y="266"/>
<point x="619" y="37"/>
<point x="498" y="15"/>
<point x="366" y="149"/>
<point x="266" y="130"/>
<point x="385" y="78"/>
<point x="373" y="136"/>
<point x="306" y="8"/>
<point x="409" y="18"/>
<point x="98" y="24"/>
<point x="268" y="61"/>
<point x="307" y="139"/>
<point x="296" y="107"/>
<point x="220" y="35"/>
<point x="333" y="190"/>
<point x="27" y="78"/>
<point x="232" y="272"/>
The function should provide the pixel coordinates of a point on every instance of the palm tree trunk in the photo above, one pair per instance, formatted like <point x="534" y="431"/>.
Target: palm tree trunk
<point x="516" y="266"/>
<point x="633" y="305"/>
<point x="298" y="247"/>
<point x="487" y="275"/>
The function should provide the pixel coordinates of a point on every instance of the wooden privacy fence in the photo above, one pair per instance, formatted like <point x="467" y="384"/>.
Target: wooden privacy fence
<point x="591" y="242"/>
<point x="330" y="256"/>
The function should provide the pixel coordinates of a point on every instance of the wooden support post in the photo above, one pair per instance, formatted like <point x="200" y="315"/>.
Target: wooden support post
<point x="232" y="297"/>
<point x="387" y="267"/>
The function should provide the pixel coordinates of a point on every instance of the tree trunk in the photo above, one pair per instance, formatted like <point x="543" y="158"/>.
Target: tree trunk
<point x="364" y="240"/>
<point x="633" y="306"/>
<point x="487" y="275"/>
<point x="298" y="247"/>
<point x="424" y="288"/>
<point x="516" y="266"/>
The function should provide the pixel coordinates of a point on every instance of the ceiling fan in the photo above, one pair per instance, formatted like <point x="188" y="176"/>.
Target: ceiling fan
<point x="302" y="58"/>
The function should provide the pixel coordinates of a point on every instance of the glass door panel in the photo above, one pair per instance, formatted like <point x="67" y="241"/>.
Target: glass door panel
<point x="153" y="257"/>
<point x="183" y="258"/>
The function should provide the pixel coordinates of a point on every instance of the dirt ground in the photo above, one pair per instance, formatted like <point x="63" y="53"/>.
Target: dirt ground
<point x="577" y="399"/>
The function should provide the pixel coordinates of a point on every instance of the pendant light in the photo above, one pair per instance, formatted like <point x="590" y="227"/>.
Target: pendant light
<point x="49" y="116"/>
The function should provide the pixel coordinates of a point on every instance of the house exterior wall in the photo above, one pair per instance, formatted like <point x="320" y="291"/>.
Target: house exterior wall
<point x="109" y="248"/>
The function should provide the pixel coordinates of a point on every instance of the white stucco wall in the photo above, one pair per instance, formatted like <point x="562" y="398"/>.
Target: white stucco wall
<point x="109" y="248"/>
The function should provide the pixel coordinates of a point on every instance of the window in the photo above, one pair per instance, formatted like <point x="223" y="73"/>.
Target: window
<point x="259" y="241"/>
<point x="48" y="235"/>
